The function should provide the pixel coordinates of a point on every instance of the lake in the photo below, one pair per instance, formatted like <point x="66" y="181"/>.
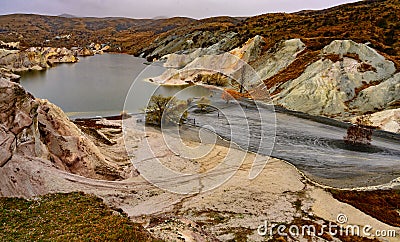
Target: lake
<point x="98" y="85"/>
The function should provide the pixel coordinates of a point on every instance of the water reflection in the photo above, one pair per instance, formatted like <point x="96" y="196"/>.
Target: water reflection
<point x="97" y="85"/>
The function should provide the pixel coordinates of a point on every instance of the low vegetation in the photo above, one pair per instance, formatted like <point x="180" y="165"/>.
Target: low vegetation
<point x="230" y="94"/>
<point x="216" y="79"/>
<point x="165" y="110"/>
<point x="203" y="103"/>
<point x="373" y="21"/>
<point x="383" y="204"/>
<point x="65" y="217"/>
<point x="376" y="22"/>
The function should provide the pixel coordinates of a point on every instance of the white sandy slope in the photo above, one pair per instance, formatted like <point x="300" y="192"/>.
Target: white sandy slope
<point x="347" y="80"/>
<point x="244" y="203"/>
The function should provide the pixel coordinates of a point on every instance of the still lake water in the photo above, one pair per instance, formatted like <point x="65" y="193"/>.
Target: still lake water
<point x="98" y="85"/>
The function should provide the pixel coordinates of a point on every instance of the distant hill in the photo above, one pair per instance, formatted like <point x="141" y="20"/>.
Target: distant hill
<point x="160" y="17"/>
<point x="122" y="34"/>
<point x="373" y="21"/>
<point x="66" y="15"/>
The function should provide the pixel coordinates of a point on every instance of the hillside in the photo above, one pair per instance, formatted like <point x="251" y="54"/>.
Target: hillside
<point x="34" y="30"/>
<point x="122" y="34"/>
<point x="341" y="62"/>
<point x="343" y="81"/>
<point x="374" y="21"/>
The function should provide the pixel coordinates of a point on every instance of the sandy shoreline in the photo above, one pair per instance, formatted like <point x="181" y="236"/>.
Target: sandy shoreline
<point x="190" y="132"/>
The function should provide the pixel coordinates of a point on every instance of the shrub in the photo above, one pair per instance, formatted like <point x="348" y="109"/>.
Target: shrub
<point x="216" y="79"/>
<point x="165" y="110"/>
<point x="203" y="103"/>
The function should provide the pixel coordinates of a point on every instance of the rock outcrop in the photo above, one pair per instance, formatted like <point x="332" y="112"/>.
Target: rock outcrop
<point x="83" y="52"/>
<point x="35" y="58"/>
<point x="343" y="80"/>
<point x="210" y="59"/>
<point x="251" y="50"/>
<point x="36" y="128"/>
<point x="339" y="84"/>
<point x="277" y="58"/>
<point x="385" y="95"/>
<point x="214" y="43"/>
<point x="388" y="120"/>
<point x="9" y="75"/>
<point x="349" y="79"/>
<point x="90" y="50"/>
<point x="9" y="45"/>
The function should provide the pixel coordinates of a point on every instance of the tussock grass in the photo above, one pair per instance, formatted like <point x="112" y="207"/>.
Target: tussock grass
<point x="65" y="217"/>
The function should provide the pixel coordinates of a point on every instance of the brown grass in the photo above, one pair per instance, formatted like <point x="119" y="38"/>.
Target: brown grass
<point x="377" y="22"/>
<point x="333" y="57"/>
<point x="65" y="217"/>
<point x="293" y="71"/>
<point x="366" y="67"/>
<point x="382" y="205"/>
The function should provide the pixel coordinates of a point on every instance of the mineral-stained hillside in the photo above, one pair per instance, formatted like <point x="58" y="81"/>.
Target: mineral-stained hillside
<point x="377" y="22"/>
<point x="343" y="80"/>
<point x="374" y="21"/>
<point x="34" y="30"/>
<point x="340" y="62"/>
<point x="122" y="34"/>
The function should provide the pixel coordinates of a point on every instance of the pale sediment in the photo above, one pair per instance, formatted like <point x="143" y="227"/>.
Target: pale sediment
<point x="278" y="195"/>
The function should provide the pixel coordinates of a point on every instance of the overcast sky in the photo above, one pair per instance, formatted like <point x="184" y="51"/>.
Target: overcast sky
<point x="167" y="8"/>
